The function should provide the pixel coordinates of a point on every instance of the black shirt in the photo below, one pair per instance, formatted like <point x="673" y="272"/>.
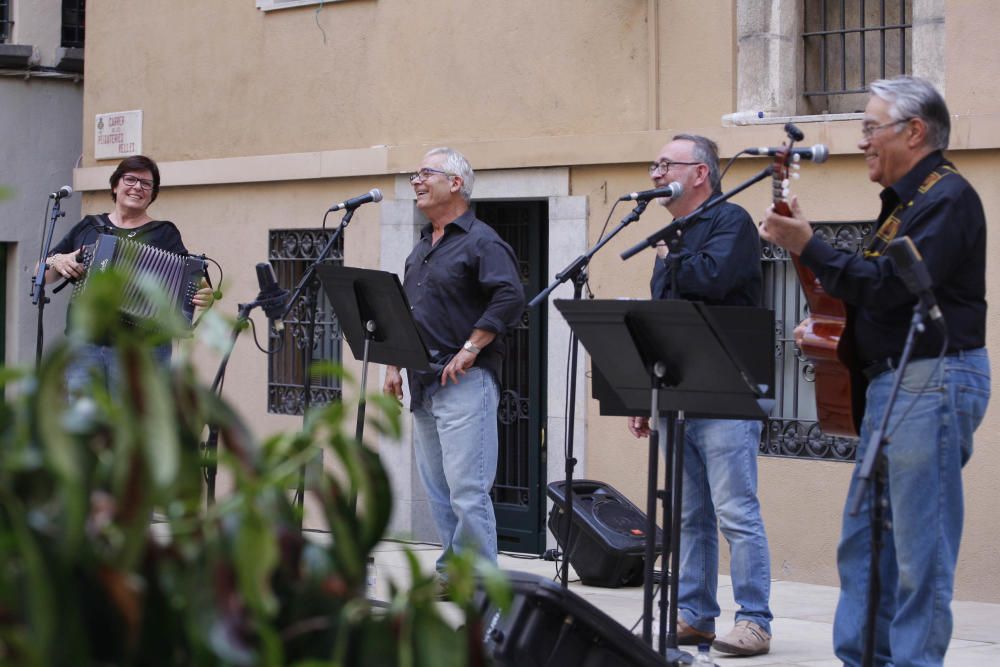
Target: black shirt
<point x="718" y="261"/>
<point x="160" y="234"/>
<point x="948" y="226"/>
<point x="468" y="280"/>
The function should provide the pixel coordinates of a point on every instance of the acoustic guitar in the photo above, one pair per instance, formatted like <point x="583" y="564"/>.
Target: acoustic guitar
<point x="839" y="384"/>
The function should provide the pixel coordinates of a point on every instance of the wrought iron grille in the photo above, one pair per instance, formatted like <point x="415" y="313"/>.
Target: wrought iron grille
<point x="5" y="22"/>
<point x="290" y="251"/>
<point x="792" y="430"/>
<point x="515" y="437"/>
<point x="516" y="483"/>
<point x="848" y="43"/>
<point x="73" y="12"/>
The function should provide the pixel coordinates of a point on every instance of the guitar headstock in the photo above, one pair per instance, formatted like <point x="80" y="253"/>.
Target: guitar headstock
<point x="784" y="169"/>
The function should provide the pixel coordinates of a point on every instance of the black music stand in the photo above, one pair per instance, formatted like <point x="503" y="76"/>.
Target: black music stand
<point x="374" y="315"/>
<point x="691" y="362"/>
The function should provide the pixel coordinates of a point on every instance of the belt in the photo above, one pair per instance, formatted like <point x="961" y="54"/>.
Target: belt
<point x="876" y="368"/>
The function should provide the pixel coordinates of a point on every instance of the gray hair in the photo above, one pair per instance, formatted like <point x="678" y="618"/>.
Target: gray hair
<point x="455" y="163"/>
<point x="913" y="97"/>
<point x="705" y="151"/>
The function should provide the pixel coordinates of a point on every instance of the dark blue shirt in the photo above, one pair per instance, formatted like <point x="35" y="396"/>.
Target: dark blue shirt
<point x="468" y="280"/>
<point x="948" y="226"/>
<point x="718" y="261"/>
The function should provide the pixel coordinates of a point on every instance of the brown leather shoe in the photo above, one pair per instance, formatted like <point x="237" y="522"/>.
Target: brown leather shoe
<point x="688" y="636"/>
<point x="747" y="638"/>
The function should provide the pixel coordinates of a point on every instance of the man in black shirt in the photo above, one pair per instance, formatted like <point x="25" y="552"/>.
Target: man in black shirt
<point x="465" y="292"/>
<point x="945" y="388"/>
<point x="717" y="262"/>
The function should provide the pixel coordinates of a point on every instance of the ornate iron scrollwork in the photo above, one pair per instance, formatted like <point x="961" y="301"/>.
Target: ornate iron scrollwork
<point x="793" y="430"/>
<point x="291" y="251"/>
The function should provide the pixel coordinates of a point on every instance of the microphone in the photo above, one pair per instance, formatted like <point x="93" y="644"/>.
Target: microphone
<point x="912" y="270"/>
<point x="818" y="153"/>
<point x="271" y="297"/>
<point x="373" y="195"/>
<point x="62" y="193"/>
<point x="671" y="191"/>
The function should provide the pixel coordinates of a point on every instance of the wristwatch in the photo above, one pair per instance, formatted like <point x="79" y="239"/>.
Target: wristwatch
<point x="469" y="346"/>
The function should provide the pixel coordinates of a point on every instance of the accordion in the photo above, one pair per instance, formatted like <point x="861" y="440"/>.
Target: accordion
<point x="178" y="275"/>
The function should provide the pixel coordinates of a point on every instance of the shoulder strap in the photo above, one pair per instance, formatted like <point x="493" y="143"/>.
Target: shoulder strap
<point x="887" y="232"/>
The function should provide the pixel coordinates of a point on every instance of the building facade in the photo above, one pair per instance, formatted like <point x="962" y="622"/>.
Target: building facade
<point x="41" y="103"/>
<point x="263" y="114"/>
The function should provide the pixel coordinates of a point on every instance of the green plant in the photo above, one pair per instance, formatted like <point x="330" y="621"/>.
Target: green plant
<point x="86" y="578"/>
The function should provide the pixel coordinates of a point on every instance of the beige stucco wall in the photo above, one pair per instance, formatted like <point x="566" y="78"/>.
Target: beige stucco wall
<point x="259" y="123"/>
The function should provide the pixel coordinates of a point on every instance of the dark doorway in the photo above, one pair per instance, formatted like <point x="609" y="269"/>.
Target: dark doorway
<point x="519" y="490"/>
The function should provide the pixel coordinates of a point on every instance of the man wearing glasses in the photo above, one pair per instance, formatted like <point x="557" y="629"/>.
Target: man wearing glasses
<point x="465" y="292"/>
<point x="945" y="387"/>
<point x="718" y="263"/>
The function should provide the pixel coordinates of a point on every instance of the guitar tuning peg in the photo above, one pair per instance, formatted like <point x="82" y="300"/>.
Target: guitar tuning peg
<point x="784" y="184"/>
<point x="796" y="158"/>
<point x="796" y="176"/>
<point x="796" y="166"/>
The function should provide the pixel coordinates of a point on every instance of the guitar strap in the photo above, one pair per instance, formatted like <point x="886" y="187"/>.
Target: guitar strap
<point x="887" y="232"/>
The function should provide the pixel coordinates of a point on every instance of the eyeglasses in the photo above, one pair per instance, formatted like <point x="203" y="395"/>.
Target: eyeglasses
<point x="425" y="173"/>
<point x="131" y="181"/>
<point x="665" y="165"/>
<point x="868" y="130"/>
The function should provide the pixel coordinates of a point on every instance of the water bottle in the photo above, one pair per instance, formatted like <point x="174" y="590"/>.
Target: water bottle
<point x="704" y="658"/>
<point x="741" y="118"/>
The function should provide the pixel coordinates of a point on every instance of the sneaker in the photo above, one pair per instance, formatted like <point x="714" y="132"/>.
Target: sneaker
<point x="688" y="636"/>
<point x="747" y="638"/>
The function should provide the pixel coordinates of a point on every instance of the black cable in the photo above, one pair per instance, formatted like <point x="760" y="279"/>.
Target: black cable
<point x="729" y="164"/>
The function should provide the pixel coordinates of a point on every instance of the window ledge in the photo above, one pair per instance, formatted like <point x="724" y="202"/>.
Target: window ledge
<point x="69" y="59"/>
<point x="817" y="118"/>
<point x="271" y="5"/>
<point x="15" y="55"/>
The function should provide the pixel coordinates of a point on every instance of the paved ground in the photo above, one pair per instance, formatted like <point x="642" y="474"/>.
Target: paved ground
<point x="802" y="624"/>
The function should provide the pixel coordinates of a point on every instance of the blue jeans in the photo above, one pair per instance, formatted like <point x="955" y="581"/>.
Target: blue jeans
<point x="943" y="405"/>
<point x="99" y="363"/>
<point x="720" y="493"/>
<point x="455" y="434"/>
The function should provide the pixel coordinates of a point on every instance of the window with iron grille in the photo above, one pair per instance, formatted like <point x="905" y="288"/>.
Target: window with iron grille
<point x="72" y="23"/>
<point x="5" y="22"/>
<point x="290" y="252"/>
<point x="792" y="429"/>
<point x="846" y="45"/>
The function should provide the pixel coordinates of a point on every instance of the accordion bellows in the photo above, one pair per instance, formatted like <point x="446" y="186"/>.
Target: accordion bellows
<point x="179" y="276"/>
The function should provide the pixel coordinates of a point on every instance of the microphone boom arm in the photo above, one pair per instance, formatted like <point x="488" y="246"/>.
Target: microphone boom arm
<point x="579" y="264"/>
<point x="679" y="225"/>
<point x="310" y="271"/>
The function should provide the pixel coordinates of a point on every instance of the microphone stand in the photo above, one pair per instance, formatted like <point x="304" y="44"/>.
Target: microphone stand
<point x="307" y="287"/>
<point x="680" y="225"/>
<point x="212" y="442"/>
<point x="38" y="297"/>
<point x="876" y="462"/>
<point x="577" y="272"/>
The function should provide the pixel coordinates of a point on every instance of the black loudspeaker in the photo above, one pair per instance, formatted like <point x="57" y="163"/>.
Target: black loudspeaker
<point x="608" y="542"/>
<point x="548" y="626"/>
